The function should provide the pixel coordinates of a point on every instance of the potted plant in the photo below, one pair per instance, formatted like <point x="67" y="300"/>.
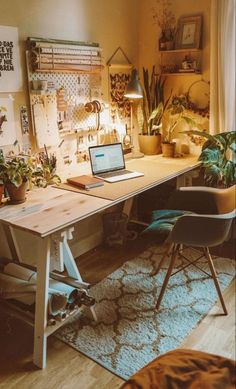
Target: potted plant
<point x="153" y="109"/>
<point x="174" y="114"/>
<point x="218" y="158"/>
<point x="45" y="173"/>
<point x="165" y="19"/>
<point x="16" y="175"/>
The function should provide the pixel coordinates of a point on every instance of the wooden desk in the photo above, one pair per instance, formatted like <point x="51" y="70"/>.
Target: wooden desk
<point x="51" y="213"/>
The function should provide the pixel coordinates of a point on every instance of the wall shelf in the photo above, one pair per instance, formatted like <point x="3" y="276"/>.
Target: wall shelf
<point x="181" y="51"/>
<point x="172" y="62"/>
<point x="183" y="74"/>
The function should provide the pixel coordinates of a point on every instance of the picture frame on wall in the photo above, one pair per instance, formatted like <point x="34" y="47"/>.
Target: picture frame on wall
<point x="189" y="32"/>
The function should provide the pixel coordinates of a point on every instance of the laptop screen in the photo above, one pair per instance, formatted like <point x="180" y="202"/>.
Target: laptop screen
<point x="106" y="158"/>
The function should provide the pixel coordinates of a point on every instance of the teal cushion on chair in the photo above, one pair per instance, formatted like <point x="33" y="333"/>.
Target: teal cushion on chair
<point x="163" y="221"/>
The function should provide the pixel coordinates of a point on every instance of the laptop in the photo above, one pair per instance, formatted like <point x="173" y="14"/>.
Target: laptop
<point x="107" y="163"/>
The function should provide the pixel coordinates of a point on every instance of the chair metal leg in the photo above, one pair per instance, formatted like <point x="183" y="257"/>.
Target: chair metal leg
<point x="174" y="255"/>
<point x="214" y="276"/>
<point x="165" y="255"/>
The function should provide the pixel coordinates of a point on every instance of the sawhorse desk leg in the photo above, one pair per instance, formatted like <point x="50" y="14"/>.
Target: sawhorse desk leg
<point x="41" y="305"/>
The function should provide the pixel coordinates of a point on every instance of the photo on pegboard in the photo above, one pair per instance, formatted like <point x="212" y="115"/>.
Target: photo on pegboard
<point x="24" y="119"/>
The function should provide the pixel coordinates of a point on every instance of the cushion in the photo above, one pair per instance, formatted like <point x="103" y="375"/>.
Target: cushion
<point x="185" y="369"/>
<point x="163" y="221"/>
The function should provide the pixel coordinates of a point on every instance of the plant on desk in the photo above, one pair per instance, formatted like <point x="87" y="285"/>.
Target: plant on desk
<point x="153" y="110"/>
<point x="16" y="174"/>
<point x="45" y="173"/>
<point x="175" y="113"/>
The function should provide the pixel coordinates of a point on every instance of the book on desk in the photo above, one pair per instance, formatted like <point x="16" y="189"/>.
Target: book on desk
<point x="85" y="182"/>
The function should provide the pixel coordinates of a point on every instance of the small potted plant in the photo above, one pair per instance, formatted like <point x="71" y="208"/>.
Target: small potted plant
<point x="16" y="174"/>
<point x="45" y="173"/>
<point x="174" y="114"/>
<point x="153" y="109"/>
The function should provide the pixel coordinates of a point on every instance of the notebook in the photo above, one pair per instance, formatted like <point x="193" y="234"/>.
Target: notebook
<point x="85" y="182"/>
<point x="107" y="163"/>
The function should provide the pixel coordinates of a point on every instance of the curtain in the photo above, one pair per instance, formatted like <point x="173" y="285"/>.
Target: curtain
<point x="222" y="89"/>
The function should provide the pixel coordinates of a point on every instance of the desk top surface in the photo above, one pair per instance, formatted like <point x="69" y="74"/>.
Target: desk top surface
<point x="49" y="210"/>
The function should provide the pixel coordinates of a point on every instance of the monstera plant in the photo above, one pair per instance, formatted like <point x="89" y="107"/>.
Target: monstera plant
<point x="217" y="156"/>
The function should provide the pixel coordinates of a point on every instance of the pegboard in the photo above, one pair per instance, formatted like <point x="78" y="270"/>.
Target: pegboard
<point x="79" y="89"/>
<point x="73" y="84"/>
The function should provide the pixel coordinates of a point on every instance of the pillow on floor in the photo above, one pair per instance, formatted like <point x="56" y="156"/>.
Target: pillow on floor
<point x="185" y="369"/>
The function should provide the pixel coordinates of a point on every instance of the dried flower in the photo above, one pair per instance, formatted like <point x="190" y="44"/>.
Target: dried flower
<point x="164" y="17"/>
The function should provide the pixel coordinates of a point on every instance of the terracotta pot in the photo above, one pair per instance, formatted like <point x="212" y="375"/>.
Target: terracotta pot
<point x="168" y="149"/>
<point x="1" y="192"/>
<point x="150" y="144"/>
<point x="17" y="195"/>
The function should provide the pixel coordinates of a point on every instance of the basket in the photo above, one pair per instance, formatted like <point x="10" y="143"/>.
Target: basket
<point x="115" y="228"/>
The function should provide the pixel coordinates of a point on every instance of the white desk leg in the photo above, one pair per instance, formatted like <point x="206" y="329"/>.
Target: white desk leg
<point x="40" y="337"/>
<point x="70" y="264"/>
<point x="68" y="258"/>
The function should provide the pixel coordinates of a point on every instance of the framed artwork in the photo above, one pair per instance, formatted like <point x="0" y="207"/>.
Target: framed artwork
<point x="10" y="69"/>
<point x="189" y="32"/>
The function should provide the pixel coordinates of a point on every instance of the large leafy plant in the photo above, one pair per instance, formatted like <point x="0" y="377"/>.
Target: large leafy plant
<point x="219" y="168"/>
<point x="16" y="171"/>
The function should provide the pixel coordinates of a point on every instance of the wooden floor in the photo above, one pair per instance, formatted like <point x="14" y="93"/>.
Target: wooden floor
<point x="67" y="368"/>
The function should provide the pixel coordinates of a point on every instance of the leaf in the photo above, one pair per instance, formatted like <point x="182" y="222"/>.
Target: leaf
<point x="233" y="147"/>
<point x="229" y="173"/>
<point x="156" y="112"/>
<point x="210" y="156"/>
<point x="212" y="175"/>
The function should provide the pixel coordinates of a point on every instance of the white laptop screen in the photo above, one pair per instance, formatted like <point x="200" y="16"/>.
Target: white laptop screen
<point x="106" y="158"/>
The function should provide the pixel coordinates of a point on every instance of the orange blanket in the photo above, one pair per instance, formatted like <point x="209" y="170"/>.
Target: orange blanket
<point x="185" y="369"/>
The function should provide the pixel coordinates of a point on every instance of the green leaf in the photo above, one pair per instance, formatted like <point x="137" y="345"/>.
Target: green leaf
<point x="212" y="175"/>
<point x="210" y="156"/>
<point x="156" y="112"/>
<point x="228" y="173"/>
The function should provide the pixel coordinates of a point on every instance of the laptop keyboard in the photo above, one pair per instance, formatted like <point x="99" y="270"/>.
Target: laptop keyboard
<point x="114" y="174"/>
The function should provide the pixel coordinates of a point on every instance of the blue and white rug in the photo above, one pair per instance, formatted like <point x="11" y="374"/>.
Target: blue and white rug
<point x="130" y="332"/>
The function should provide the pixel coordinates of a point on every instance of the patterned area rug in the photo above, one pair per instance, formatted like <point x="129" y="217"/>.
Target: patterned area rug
<point x="130" y="332"/>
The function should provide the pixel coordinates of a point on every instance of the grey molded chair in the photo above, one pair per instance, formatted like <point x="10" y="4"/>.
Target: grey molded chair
<point x="199" y="230"/>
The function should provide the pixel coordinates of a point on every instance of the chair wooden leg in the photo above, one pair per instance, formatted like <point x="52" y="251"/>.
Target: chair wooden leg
<point x="165" y="255"/>
<point x="214" y="276"/>
<point x="168" y="274"/>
